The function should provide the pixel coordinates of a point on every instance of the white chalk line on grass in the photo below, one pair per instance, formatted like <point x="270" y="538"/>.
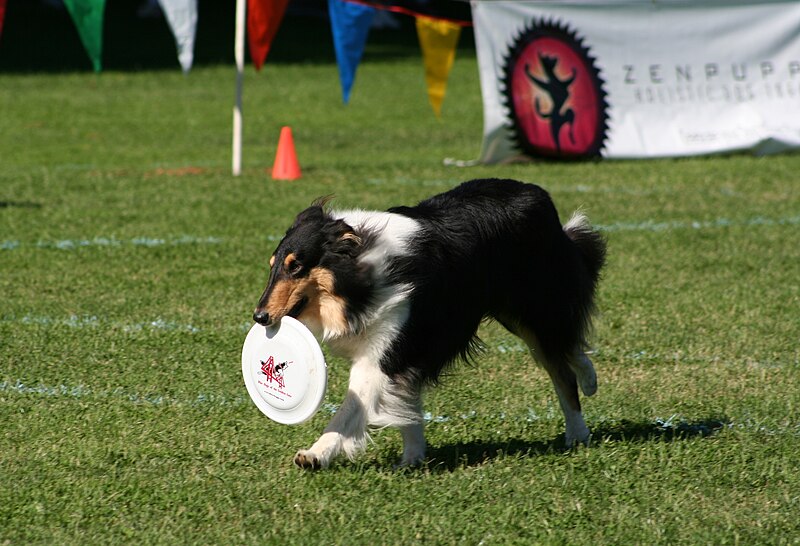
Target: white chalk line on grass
<point x="81" y="391"/>
<point x="652" y="225"/>
<point x="574" y="188"/>
<point x="147" y="242"/>
<point x="509" y="347"/>
<point x="92" y="321"/>
<point x="152" y="242"/>
<point x="513" y="347"/>
<point x="111" y="242"/>
<point x="673" y="423"/>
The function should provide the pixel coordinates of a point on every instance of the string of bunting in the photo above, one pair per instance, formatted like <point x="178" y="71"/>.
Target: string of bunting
<point x="438" y="27"/>
<point x="438" y="37"/>
<point x="87" y="15"/>
<point x="430" y="10"/>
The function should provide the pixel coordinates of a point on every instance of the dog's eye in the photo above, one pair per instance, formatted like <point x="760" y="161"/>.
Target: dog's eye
<point x="294" y="267"/>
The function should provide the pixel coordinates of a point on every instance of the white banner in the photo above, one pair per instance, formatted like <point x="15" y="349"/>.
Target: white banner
<point x="633" y="79"/>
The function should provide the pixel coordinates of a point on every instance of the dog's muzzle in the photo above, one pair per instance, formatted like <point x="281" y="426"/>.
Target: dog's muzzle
<point x="262" y="317"/>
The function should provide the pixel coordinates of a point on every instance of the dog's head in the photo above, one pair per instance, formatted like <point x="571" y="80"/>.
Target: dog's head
<point x="305" y="270"/>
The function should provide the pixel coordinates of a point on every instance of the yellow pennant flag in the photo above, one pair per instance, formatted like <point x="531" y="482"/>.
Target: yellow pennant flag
<point x="438" y="40"/>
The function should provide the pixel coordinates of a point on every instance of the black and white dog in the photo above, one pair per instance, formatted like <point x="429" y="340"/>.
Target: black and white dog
<point x="401" y="293"/>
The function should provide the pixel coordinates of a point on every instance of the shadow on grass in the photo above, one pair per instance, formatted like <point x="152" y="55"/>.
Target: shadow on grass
<point x="455" y="456"/>
<point x="19" y="205"/>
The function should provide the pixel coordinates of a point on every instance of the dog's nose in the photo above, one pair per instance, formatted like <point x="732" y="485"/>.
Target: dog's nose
<point x="261" y="317"/>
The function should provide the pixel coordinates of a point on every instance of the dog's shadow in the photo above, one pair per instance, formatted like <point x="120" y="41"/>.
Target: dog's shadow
<point x="454" y="456"/>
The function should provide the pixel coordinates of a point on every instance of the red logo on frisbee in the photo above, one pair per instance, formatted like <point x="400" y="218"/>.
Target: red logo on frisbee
<point x="274" y="372"/>
<point x="553" y="91"/>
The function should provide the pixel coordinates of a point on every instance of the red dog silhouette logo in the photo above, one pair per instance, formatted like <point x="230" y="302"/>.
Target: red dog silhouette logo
<point x="274" y="372"/>
<point x="554" y="95"/>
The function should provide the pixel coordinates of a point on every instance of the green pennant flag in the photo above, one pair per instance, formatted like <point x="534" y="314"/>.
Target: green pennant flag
<point x="88" y="18"/>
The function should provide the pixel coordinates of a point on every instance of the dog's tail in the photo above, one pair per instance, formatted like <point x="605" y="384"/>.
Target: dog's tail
<point x="590" y="242"/>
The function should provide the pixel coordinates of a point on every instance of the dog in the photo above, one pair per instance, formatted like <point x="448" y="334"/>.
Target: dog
<point x="401" y="293"/>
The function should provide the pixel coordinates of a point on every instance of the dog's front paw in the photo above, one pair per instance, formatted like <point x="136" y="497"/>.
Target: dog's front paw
<point x="307" y="459"/>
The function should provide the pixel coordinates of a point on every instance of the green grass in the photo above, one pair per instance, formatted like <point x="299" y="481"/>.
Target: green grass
<point x="131" y="261"/>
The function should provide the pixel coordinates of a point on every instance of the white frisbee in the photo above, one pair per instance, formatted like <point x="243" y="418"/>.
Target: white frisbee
<point x="284" y="371"/>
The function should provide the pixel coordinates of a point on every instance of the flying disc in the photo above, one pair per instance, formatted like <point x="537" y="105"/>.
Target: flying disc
<point x="284" y="371"/>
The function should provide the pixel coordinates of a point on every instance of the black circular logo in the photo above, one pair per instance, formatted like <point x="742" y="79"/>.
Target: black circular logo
<point x="554" y="94"/>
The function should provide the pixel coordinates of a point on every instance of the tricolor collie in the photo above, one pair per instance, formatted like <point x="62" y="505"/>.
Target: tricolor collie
<point x="401" y="293"/>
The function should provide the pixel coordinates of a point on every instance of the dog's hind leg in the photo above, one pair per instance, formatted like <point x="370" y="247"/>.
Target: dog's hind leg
<point x="413" y="444"/>
<point x="566" y="387"/>
<point x="565" y="383"/>
<point x="583" y="369"/>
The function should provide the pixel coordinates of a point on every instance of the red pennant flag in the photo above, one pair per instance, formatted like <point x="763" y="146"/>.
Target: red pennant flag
<point x="2" y="14"/>
<point x="263" y="19"/>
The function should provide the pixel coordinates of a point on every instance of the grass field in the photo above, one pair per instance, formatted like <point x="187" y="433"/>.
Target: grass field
<point x="130" y="262"/>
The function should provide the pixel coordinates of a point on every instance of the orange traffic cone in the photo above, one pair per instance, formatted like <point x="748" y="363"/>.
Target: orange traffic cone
<point x="286" y="166"/>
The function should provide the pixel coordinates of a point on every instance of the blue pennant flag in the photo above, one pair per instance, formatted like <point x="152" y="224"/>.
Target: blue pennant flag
<point x="350" y="25"/>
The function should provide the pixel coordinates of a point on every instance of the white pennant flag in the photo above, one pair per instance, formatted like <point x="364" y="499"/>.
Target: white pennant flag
<point x="182" y="18"/>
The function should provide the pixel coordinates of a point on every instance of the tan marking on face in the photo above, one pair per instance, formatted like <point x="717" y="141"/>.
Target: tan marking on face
<point x="285" y="295"/>
<point x="324" y="311"/>
<point x="289" y="260"/>
<point x="272" y="261"/>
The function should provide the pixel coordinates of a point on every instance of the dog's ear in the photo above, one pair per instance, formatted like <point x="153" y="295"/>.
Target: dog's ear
<point x="343" y="239"/>
<point x="322" y="202"/>
<point x="314" y="213"/>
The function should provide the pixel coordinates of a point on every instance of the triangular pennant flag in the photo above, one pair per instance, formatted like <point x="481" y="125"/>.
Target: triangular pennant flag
<point x="2" y="14"/>
<point x="182" y="18"/>
<point x="88" y="18"/>
<point x="350" y="25"/>
<point x="438" y="40"/>
<point x="263" y="19"/>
